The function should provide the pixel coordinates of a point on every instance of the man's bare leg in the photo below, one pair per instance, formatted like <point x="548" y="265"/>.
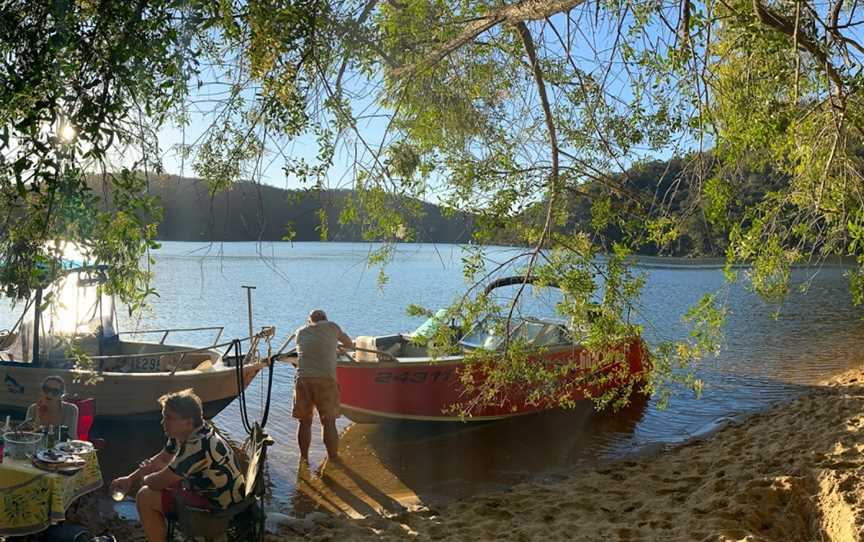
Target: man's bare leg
<point x="149" y="504"/>
<point x="331" y="437"/>
<point x="304" y="437"/>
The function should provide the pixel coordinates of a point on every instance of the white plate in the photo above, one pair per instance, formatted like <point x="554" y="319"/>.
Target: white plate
<point x="53" y="457"/>
<point x="74" y="447"/>
<point x="58" y="467"/>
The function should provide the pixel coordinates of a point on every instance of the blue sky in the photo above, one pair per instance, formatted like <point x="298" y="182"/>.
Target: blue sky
<point x="594" y="51"/>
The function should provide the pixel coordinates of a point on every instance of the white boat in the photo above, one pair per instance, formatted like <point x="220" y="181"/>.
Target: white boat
<point x="73" y="316"/>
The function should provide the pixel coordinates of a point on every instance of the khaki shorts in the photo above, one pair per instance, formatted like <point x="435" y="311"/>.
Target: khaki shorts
<point x="320" y="393"/>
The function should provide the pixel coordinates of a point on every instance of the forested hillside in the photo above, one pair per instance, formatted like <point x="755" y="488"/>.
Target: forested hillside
<point x="252" y="212"/>
<point x="669" y="190"/>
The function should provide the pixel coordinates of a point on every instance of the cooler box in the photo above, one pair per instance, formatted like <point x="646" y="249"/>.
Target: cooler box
<point x="366" y="343"/>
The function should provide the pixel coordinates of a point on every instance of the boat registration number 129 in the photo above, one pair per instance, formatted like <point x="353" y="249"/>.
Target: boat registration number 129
<point x="145" y="364"/>
<point x="413" y="377"/>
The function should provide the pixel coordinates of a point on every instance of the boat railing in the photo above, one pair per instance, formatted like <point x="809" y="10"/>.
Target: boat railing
<point x="291" y="357"/>
<point x="380" y="353"/>
<point x="166" y="332"/>
<point x="182" y="351"/>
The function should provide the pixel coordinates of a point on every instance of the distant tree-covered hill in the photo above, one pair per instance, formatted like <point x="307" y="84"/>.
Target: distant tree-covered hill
<point x="252" y="212"/>
<point x="672" y="189"/>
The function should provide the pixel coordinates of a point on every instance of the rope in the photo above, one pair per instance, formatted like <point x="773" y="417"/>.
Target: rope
<point x="269" y="389"/>
<point x="241" y="391"/>
<point x="241" y="361"/>
<point x="250" y="428"/>
<point x="261" y="386"/>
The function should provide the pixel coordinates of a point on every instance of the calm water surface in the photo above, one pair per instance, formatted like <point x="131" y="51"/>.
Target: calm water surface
<point x="764" y="360"/>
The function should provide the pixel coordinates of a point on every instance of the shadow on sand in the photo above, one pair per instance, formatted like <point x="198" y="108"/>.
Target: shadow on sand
<point x="384" y="468"/>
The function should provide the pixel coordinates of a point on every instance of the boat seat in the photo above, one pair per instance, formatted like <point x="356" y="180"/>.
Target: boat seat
<point x="371" y="346"/>
<point x="411" y="350"/>
<point x="241" y="521"/>
<point x="393" y="349"/>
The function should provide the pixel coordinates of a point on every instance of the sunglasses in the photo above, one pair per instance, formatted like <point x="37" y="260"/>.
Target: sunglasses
<point x="52" y="391"/>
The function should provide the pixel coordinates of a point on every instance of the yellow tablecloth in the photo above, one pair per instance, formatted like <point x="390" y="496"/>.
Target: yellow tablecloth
<point x="31" y="499"/>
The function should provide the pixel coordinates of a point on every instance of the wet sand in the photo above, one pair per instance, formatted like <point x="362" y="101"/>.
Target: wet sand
<point x="793" y="472"/>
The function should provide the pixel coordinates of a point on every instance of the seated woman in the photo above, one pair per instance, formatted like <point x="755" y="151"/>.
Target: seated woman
<point x="51" y="409"/>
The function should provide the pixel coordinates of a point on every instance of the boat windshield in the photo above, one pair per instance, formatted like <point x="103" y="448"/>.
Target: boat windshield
<point x="79" y="306"/>
<point x="77" y="309"/>
<point x="489" y="333"/>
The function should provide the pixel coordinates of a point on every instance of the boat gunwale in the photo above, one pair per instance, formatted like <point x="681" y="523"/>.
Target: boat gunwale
<point x="458" y="358"/>
<point x="188" y="350"/>
<point x="402" y="361"/>
<point x="383" y="417"/>
<point x="216" y="370"/>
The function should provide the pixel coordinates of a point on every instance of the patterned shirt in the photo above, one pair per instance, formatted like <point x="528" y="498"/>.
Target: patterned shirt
<point x="207" y="463"/>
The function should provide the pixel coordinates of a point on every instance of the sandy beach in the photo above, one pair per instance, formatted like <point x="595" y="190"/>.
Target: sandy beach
<point x="793" y="473"/>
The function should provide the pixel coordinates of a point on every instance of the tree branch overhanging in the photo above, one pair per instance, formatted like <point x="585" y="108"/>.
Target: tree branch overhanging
<point x="778" y="22"/>
<point x="529" y="10"/>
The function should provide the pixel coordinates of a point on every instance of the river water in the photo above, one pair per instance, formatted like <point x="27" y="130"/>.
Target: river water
<point x="768" y="356"/>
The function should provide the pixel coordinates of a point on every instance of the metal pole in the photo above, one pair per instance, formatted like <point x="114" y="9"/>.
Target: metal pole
<point x="37" y="317"/>
<point x="249" y="307"/>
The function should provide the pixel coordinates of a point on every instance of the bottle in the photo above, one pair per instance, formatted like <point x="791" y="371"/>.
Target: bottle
<point x="64" y="433"/>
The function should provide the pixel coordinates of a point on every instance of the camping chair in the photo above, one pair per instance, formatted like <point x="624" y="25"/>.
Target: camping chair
<point x="86" y="412"/>
<point x="241" y="521"/>
<point x="86" y="417"/>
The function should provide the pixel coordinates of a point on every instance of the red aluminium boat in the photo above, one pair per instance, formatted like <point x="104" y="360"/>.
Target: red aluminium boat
<point x="393" y="377"/>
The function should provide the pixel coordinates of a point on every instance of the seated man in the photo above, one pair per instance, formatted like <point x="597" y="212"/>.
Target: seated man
<point x="196" y="465"/>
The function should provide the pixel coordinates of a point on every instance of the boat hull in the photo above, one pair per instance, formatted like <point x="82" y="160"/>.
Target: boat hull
<point x="121" y="396"/>
<point x="427" y="391"/>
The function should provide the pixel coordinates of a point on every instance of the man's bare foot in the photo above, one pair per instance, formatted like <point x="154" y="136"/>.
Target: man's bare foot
<point x="303" y="469"/>
<point x="328" y="463"/>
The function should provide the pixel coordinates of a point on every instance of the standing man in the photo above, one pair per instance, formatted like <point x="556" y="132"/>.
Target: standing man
<point x="196" y="466"/>
<point x="315" y="384"/>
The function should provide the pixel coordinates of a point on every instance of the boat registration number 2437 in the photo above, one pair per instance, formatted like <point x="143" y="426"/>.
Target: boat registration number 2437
<point x="413" y="377"/>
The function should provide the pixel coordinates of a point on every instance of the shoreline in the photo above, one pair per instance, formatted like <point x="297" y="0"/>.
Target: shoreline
<point x="792" y="472"/>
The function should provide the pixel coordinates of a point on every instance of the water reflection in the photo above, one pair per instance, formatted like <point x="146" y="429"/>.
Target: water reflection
<point x="383" y="467"/>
